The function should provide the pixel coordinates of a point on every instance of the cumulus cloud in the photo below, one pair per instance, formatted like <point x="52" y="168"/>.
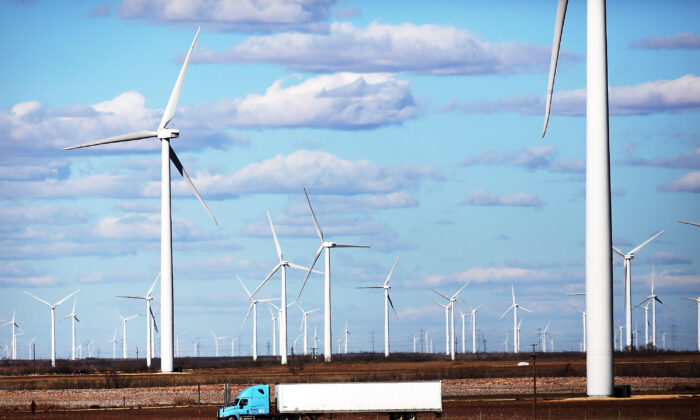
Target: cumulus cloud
<point x="682" y="94"/>
<point x="690" y="160"/>
<point x="340" y="100"/>
<point x="666" y="258"/>
<point x="530" y="159"/>
<point x="45" y="214"/>
<point x="422" y="49"/>
<point x="492" y="274"/>
<point x="689" y="182"/>
<point x="16" y="274"/>
<point x="146" y="227"/>
<point x="232" y="15"/>
<point x="320" y="172"/>
<point x="486" y="198"/>
<point x="682" y="41"/>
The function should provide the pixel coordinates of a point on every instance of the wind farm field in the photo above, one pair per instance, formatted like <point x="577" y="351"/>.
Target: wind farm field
<point x="473" y="385"/>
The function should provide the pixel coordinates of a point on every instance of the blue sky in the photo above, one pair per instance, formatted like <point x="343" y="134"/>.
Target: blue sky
<point x="415" y="129"/>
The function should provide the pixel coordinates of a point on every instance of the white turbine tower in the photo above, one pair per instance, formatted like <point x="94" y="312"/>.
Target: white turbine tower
<point x="452" y="299"/>
<point x="462" y="315"/>
<point x="346" y="333"/>
<point x="304" y="316"/>
<point x="473" y="325"/>
<point x="583" y="317"/>
<point x="114" y="344"/>
<point x="53" y="322"/>
<point x="150" y="320"/>
<point x="599" y="354"/>
<point x="216" y="342"/>
<point x="543" y="339"/>
<point x="15" y="327"/>
<point x="653" y="298"/>
<point x="274" y="330"/>
<point x="646" y="322"/>
<point x="387" y="302"/>
<point x="697" y="300"/>
<point x="446" y="307"/>
<point x="233" y="344"/>
<point x="628" y="284"/>
<point x="327" y="245"/>
<point x="283" y="264"/>
<point x="164" y="134"/>
<point x="516" y="326"/>
<point x="74" y="318"/>
<point x="124" y="321"/>
<point x="253" y="307"/>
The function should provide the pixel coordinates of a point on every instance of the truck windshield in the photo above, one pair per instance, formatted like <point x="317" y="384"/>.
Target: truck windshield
<point x="235" y="402"/>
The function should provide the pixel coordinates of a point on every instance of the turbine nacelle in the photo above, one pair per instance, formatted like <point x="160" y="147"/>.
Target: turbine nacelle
<point x="168" y="133"/>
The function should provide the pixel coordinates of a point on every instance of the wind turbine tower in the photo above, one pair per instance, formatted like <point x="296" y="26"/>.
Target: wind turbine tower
<point x="387" y="302"/>
<point x="74" y="318"/>
<point x="14" y="326"/>
<point x="304" y="318"/>
<point x="653" y="298"/>
<point x="325" y="245"/>
<point x="149" y="316"/>
<point x="124" y="321"/>
<point x="53" y="322"/>
<point x="254" y="307"/>
<point x="164" y="134"/>
<point x="452" y="299"/>
<point x="516" y="326"/>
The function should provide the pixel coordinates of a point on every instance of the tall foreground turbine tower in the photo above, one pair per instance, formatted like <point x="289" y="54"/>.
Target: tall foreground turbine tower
<point x="599" y="354"/>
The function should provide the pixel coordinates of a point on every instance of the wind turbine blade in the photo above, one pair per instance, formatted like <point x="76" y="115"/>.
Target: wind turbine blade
<point x="369" y="287"/>
<point x="39" y="299"/>
<point x="391" y="272"/>
<point x="439" y="294"/>
<point x="274" y="235"/>
<point x="350" y="246"/>
<point x="622" y="254"/>
<point x="318" y="228"/>
<point x="67" y="316"/>
<point x="274" y="270"/>
<point x="506" y="312"/>
<point x="301" y="267"/>
<point x="693" y="299"/>
<point x="479" y="307"/>
<point x="212" y="333"/>
<point x="244" y="288"/>
<point x="153" y="286"/>
<point x="273" y="305"/>
<point x="153" y="317"/>
<point x="524" y="309"/>
<point x="313" y="310"/>
<point x="646" y="242"/>
<point x="512" y="291"/>
<point x="131" y="317"/>
<point x="75" y="302"/>
<point x="76" y="318"/>
<point x="133" y="297"/>
<point x="66" y="298"/>
<point x="318" y="254"/>
<point x="558" y="29"/>
<point x="135" y="135"/>
<point x="689" y="223"/>
<point x="392" y="306"/>
<point x="181" y="169"/>
<point x="172" y="102"/>
<point x="460" y="290"/>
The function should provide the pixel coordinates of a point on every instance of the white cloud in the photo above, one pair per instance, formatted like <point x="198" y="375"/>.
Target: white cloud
<point x="424" y="49"/>
<point x="689" y="182"/>
<point x="530" y="159"/>
<point x="47" y="214"/>
<point x="486" y="198"/>
<point x="232" y="15"/>
<point x="490" y="275"/>
<point x="690" y="160"/>
<point x="340" y="100"/>
<point x="682" y="94"/>
<point x="682" y="41"/>
<point x="146" y="227"/>
<point x="320" y="172"/>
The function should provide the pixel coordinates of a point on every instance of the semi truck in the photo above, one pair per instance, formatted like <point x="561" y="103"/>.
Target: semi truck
<point x="398" y="400"/>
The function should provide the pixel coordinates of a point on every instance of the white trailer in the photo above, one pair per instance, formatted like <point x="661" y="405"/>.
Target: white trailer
<point x="357" y="397"/>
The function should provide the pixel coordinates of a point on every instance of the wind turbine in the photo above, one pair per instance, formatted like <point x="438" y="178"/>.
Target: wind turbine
<point x="74" y="318"/>
<point x="216" y="341"/>
<point x="628" y="284"/>
<point x="149" y="318"/>
<point x="346" y="333"/>
<point x="195" y="346"/>
<point x="621" y="327"/>
<point x="304" y="315"/>
<point x="283" y="304"/>
<point x="114" y="344"/>
<point x="599" y="360"/>
<point x="462" y="315"/>
<point x="517" y="336"/>
<point x="254" y="307"/>
<point x="452" y="300"/>
<point x="653" y="298"/>
<point x="697" y="300"/>
<point x="543" y="338"/>
<point x="514" y="307"/>
<point x="164" y="134"/>
<point x="473" y="326"/>
<point x="274" y="330"/>
<point x="14" y="325"/>
<point x="583" y="317"/>
<point x="327" y="245"/>
<point x="646" y="322"/>
<point x="233" y="343"/>
<point x="53" y="322"/>
<point x="387" y="302"/>
<point x="124" y="320"/>
<point x="446" y="307"/>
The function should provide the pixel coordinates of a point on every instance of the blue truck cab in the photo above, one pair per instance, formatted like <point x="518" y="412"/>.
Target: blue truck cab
<point x="252" y="401"/>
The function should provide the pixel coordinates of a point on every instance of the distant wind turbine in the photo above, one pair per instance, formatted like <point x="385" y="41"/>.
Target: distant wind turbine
<point x="304" y="316"/>
<point x="452" y="299"/>
<point x="53" y="322"/>
<point x="124" y="321"/>
<point x="653" y="298"/>
<point x="462" y="315"/>
<point x="628" y="284"/>
<point x="583" y="317"/>
<point x="697" y="300"/>
<point x="114" y="344"/>
<point x="387" y="302"/>
<point x="15" y="327"/>
<point x="216" y="342"/>
<point x="514" y="307"/>
<point x="473" y="326"/>
<point x="74" y="318"/>
<point x="346" y="333"/>
<point x="446" y="307"/>
<point x="253" y="307"/>
<point x="149" y="318"/>
<point x="646" y="322"/>
<point x="164" y="134"/>
<point x="325" y="245"/>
